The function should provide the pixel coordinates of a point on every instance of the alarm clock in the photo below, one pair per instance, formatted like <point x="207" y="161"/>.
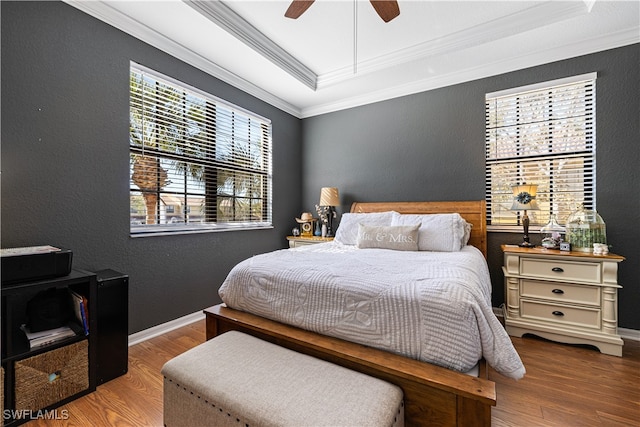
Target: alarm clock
<point x="306" y="228"/>
<point x="565" y="246"/>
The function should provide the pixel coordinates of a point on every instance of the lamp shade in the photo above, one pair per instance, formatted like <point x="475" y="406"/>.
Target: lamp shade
<point x="524" y="197"/>
<point x="329" y="197"/>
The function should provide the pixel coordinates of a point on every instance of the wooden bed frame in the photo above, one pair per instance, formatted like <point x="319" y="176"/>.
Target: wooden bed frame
<point x="433" y="395"/>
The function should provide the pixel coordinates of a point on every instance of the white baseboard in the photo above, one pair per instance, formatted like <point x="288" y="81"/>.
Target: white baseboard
<point x="627" y="334"/>
<point x="163" y="328"/>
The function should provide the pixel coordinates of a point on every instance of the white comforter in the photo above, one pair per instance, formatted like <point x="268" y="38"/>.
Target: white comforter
<point x="430" y="306"/>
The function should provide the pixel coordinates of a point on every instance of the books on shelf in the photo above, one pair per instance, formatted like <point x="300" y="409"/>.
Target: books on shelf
<point x="81" y="309"/>
<point x="49" y="336"/>
<point x="80" y="306"/>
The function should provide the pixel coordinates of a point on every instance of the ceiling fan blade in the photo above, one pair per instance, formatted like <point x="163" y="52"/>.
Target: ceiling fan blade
<point x="297" y="8"/>
<point x="387" y="9"/>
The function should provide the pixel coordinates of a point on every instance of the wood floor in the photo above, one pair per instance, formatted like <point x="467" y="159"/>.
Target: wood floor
<point x="564" y="386"/>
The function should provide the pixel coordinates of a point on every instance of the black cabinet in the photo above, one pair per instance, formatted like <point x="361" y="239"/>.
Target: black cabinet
<point x="113" y="325"/>
<point x="43" y="378"/>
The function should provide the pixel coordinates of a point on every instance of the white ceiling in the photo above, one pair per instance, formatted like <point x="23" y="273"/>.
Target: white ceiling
<point x="340" y="54"/>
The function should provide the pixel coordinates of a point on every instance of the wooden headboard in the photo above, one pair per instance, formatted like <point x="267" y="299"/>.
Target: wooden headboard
<point x="474" y="212"/>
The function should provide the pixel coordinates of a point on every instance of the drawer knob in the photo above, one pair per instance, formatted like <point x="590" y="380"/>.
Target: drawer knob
<point x="558" y="313"/>
<point x="558" y="291"/>
<point x="557" y="269"/>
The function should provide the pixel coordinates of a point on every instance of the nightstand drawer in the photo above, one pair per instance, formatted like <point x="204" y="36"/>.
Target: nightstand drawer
<point x="299" y="243"/>
<point x="562" y="270"/>
<point x="561" y="292"/>
<point x="583" y="317"/>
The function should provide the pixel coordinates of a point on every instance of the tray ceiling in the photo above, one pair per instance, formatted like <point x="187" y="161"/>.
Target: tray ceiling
<point x="340" y="54"/>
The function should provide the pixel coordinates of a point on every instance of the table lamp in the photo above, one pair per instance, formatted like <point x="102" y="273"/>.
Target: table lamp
<point x="329" y="197"/>
<point x="524" y="199"/>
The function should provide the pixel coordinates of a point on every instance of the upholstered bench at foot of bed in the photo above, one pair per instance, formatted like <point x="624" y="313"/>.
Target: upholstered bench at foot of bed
<point x="236" y="379"/>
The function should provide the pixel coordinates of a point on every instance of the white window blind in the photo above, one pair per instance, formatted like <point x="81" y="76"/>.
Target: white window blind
<point x="197" y="163"/>
<point x="542" y="134"/>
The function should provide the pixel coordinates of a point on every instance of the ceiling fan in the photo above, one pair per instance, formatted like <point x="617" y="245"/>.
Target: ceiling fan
<point x="386" y="9"/>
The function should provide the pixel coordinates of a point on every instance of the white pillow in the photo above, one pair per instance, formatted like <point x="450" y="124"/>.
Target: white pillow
<point x="347" y="232"/>
<point x="437" y="232"/>
<point x="396" y="237"/>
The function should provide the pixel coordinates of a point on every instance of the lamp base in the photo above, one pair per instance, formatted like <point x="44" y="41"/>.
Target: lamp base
<point x="330" y="215"/>
<point x="527" y="245"/>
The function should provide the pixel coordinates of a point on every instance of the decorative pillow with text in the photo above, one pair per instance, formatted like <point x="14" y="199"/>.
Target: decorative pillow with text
<point x="399" y="237"/>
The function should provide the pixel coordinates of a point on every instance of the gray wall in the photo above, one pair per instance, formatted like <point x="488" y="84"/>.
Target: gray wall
<point x="65" y="160"/>
<point x="430" y="146"/>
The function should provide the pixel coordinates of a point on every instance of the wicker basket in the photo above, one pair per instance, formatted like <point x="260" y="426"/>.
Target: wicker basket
<point x="52" y="376"/>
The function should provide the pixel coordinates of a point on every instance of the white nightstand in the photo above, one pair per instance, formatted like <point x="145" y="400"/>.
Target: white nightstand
<point x="297" y="241"/>
<point x="570" y="297"/>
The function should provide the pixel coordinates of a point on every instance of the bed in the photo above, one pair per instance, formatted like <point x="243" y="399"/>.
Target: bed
<point x="434" y="394"/>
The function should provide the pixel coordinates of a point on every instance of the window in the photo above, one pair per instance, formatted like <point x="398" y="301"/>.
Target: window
<point x="542" y="134"/>
<point x="197" y="163"/>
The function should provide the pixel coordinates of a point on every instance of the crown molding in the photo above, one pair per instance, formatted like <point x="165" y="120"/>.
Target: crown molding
<point x="223" y="16"/>
<point x="103" y="12"/>
<point x="544" y="56"/>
